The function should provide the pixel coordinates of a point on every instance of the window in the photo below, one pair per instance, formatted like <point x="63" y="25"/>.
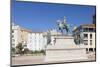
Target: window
<point x="86" y="49"/>
<point x="85" y="35"/>
<point x="90" y="42"/>
<point x="90" y="36"/>
<point x="13" y="44"/>
<point x="13" y="40"/>
<point x="90" y="49"/>
<point x="12" y="31"/>
<point x="85" y="42"/>
<point x="90" y="29"/>
<point x="25" y="45"/>
<point x="85" y="29"/>
<point x="12" y="36"/>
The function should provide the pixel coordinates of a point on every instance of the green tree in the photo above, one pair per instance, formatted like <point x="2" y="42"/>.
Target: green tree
<point x="13" y="50"/>
<point x="19" y="48"/>
<point x="26" y="51"/>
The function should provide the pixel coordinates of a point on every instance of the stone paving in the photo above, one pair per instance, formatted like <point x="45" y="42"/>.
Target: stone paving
<point x="27" y="60"/>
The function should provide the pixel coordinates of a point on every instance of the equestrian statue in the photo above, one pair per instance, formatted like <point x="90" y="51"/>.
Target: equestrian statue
<point x="63" y="25"/>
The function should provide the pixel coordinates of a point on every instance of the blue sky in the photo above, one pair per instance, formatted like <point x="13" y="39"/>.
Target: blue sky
<point x="43" y="16"/>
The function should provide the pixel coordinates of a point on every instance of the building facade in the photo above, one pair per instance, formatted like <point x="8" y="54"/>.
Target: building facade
<point x="39" y="40"/>
<point x="31" y="40"/>
<point x="16" y="35"/>
<point x="36" y="41"/>
<point x="85" y="35"/>
<point x="19" y="35"/>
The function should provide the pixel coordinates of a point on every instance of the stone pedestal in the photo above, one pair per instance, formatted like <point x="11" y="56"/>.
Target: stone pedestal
<point x="65" y="49"/>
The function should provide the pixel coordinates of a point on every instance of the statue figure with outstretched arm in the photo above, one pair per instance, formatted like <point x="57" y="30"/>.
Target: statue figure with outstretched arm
<point x="63" y="25"/>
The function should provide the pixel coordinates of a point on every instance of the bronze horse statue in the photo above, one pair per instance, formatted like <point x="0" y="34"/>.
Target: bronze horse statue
<point x="63" y="25"/>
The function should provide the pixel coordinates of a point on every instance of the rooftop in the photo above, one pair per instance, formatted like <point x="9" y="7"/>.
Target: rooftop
<point x="85" y="26"/>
